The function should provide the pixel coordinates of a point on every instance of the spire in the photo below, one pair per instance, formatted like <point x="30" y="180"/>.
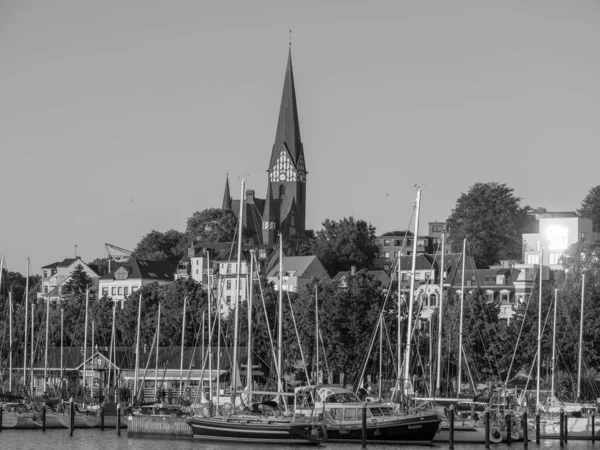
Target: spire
<point x="226" y="196"/>
<point x="288" y="126"/>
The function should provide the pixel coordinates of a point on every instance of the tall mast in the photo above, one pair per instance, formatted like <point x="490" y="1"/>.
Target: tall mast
<point x="554" y="340"/>
<point x="250" y="285"/>
<point x="539" y="336"/>
<point x="236" y="313"/>
<point x="62" y="348"/>
<point x="32" y="345"/>
<point x="578" y="393"/>
<point x="208" y="271"/>
<point x="182" y="346"/>
<point x="280" y="323"/>
<point x="438" y="378"/>
<point x="317" y="334"/>
<point x="47" y="343"/>
<point x="137" y="350"/>
<point x="157" y="350"/>
<point x="460" y="326"/>
<point x="114" y="350"/>
<point x="10" y="341"/>
<point x="25" y="327"/>
<point x="92" y="356"/>
<point x="380" y="354"/>
<point x="411" y="294"/>
<point x="85" y="330"/>
<point x="219" y="300"/>
<point x="399" y="306"/>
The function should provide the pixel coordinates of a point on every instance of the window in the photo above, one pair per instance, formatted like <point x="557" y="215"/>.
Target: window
<point x="228" y="285"/>
<point x="433" y="300"/>
<point x="134" y="289"/>
<point x="126" y="290"/>
<point x="386" y="254"/>
<point x="196" y="271"/>
<point x="228" y="299"/>
<point x="386" y="242"/>
<point x="114" y="291"/>
<point x="404" y="276"/>
<point x="554" y="257"/>
<point x="533" y="259"/>
<point x="582" y="236"/>
<point x="120" y="290"/>
<point x="281" y="191"/>
<point x="397" y="242"/>
<point x="197" y="261"/>
<point x="350" y="414"/>
<point x="504" y="297"/>
<point x="228" y="269"/>
<point x="427" y="275"/>
<point x="104" y="292"/>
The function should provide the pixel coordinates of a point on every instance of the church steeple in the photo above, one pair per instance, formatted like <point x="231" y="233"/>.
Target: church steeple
<point x="268" y="219"/>
<point x="226" y="195"/>
<point x="288" y="125"/>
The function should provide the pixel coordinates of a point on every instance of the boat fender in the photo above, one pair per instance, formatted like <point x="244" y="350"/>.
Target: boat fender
<point x="495" y="435"/>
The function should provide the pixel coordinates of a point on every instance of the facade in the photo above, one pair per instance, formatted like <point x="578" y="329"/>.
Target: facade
<point x="56" y="275"/>
<point x="297" y="271"/>
<point x="389" y="247"/>
<point x="128" y="278"/>
<point x="381" y="275"/>
<point x="557" y="231"/>
<point x="283" y="210"/>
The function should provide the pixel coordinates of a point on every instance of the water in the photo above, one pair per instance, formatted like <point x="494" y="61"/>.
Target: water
<point x="95" y="439"/>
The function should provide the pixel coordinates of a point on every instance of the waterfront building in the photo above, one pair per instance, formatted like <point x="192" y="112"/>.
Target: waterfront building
<point x="55" y="277"/>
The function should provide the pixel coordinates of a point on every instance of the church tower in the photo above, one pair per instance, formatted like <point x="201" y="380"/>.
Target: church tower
<point x="287" y="167"/>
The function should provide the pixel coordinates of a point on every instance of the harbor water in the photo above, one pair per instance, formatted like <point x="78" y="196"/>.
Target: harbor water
<point x="95" y="439"/>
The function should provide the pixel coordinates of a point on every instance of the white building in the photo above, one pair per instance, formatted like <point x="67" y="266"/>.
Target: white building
<point x="56" y="275"/>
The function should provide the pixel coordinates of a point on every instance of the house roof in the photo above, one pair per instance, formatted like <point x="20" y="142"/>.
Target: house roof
<point x="296" y="265"/>
<point x="146" y="269"/>
<point x="381" y="275"/>
<point x="423" y="262"/>
<point x="64" y="263"/>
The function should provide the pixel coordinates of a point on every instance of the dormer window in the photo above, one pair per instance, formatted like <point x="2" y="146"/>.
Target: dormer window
<point x="281" y="191"/>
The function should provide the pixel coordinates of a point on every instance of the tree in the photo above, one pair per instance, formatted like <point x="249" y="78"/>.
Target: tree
<point x="79" y="281"/>
<point x="342" y="244"/>
<point x="490" y="217"/>
<point x="590" y="207"/>
<point x="298" y="245"/>
<point x="168" y="246"/>
<point x="212" y="225"/>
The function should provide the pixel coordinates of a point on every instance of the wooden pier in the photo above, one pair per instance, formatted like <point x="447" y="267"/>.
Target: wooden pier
<point x="158" y="427"/>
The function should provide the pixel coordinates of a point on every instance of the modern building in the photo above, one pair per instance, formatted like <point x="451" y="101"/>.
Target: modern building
<point x="55" y="276"/>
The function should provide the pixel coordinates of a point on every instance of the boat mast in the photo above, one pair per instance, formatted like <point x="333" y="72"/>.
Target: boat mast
<point x="85" y="330"/>
<point x="438" y="379"/>
<point x="380" y="354"/>
<point x="411" y="295"/>
<point x="10" y="341"/>
<point x="236" y="315"/>
<point x="249" y="360"/>
<point x="182" y="347"/>
<point x="460" y="326"/>
<point x="46" y="349"/>
<point x="280" y="329"/>
<point x="208" y="271"/>
<point x="539" y="336"/>
<point x="25" y="327"/>
<point x="157" y="349"/>
<point x="62" y="349"/>
<point x="578" y="393"/>
<point x="114" y="351"/>
<point x="137" y="350"/>
<point x="554" y="341"/>
<point x="317" y="335"/>
<point x="32" y="345"/>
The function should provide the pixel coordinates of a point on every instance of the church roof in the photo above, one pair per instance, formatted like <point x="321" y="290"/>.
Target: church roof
<point x="288" y="125"/>
<point x="226" y="196"/>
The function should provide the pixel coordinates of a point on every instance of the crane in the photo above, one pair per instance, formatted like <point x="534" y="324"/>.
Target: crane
<point x="119" y="249"/>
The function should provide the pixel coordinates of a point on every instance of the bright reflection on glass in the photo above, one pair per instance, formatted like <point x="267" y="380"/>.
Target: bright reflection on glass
<point x="557" y="236"/>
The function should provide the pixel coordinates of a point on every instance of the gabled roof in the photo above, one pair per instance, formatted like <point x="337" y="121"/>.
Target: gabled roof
<point x="423" y="262"/>
<point x="146" y="269"/>
<point x="300" y="266"/>
<point x="64" y="263"/>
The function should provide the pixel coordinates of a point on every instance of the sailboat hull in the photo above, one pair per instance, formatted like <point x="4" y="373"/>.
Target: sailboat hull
<point x="249" y="429"/>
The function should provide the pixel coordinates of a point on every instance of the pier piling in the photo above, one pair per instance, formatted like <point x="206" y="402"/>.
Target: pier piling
<point x="537" y="427"/>
<point x="71" y="416"/>
<point x="593" y="428"/>
<point x="364" y="425"/>
<point x="561" y="427"/>
<point x="1" y="413"/>
<point x="451" y="427"/>
<point x="508" y="420"/>
<point x="487" y="427"/>
<point x="566" y="428"/>
<point x="525" y="430"/>
<point x="119" y="419"/>
<point x="44" y="417"/>
<point x="102" y="418"/>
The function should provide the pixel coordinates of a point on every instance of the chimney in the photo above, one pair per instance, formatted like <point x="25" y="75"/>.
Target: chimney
<point x="353" y="270"/>
<point x="250" y="197"/>
<point x="191" y="251"/>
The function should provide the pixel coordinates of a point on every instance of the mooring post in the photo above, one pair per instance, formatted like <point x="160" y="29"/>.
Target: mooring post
<point x="508" y="419"/>
<point x="364" y="425"/>
<point x="487" y="427"/>
<point x="537" y="427"/>
<point x="1" y="414"/>
<point x="44" y="417"/>
<point x="119" y="419"/>
<point x="593" y="428"/>
<point x="71" y="416"/>
<point x="562" y="426"/>
<point x="451" y="427"/>
<point x="102" y="417"/>
<point x="566" y="428"/>
<point x="525" y="430"/>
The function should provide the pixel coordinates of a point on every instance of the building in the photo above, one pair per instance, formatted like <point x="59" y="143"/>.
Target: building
<point x="128" y="278"/>
<point x="297" y="271"/>
<point x="389" y="246"/>
<point x="55" y="276"/>
<point x="283" y="210"/>
<point x="557" y="232"/>
<point x="380" y="275"/>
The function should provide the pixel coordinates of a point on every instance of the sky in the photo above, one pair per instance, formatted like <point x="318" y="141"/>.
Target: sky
<point x="125" y="116"/>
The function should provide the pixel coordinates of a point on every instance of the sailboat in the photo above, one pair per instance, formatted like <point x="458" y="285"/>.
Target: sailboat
<point x="252" y="426"/>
